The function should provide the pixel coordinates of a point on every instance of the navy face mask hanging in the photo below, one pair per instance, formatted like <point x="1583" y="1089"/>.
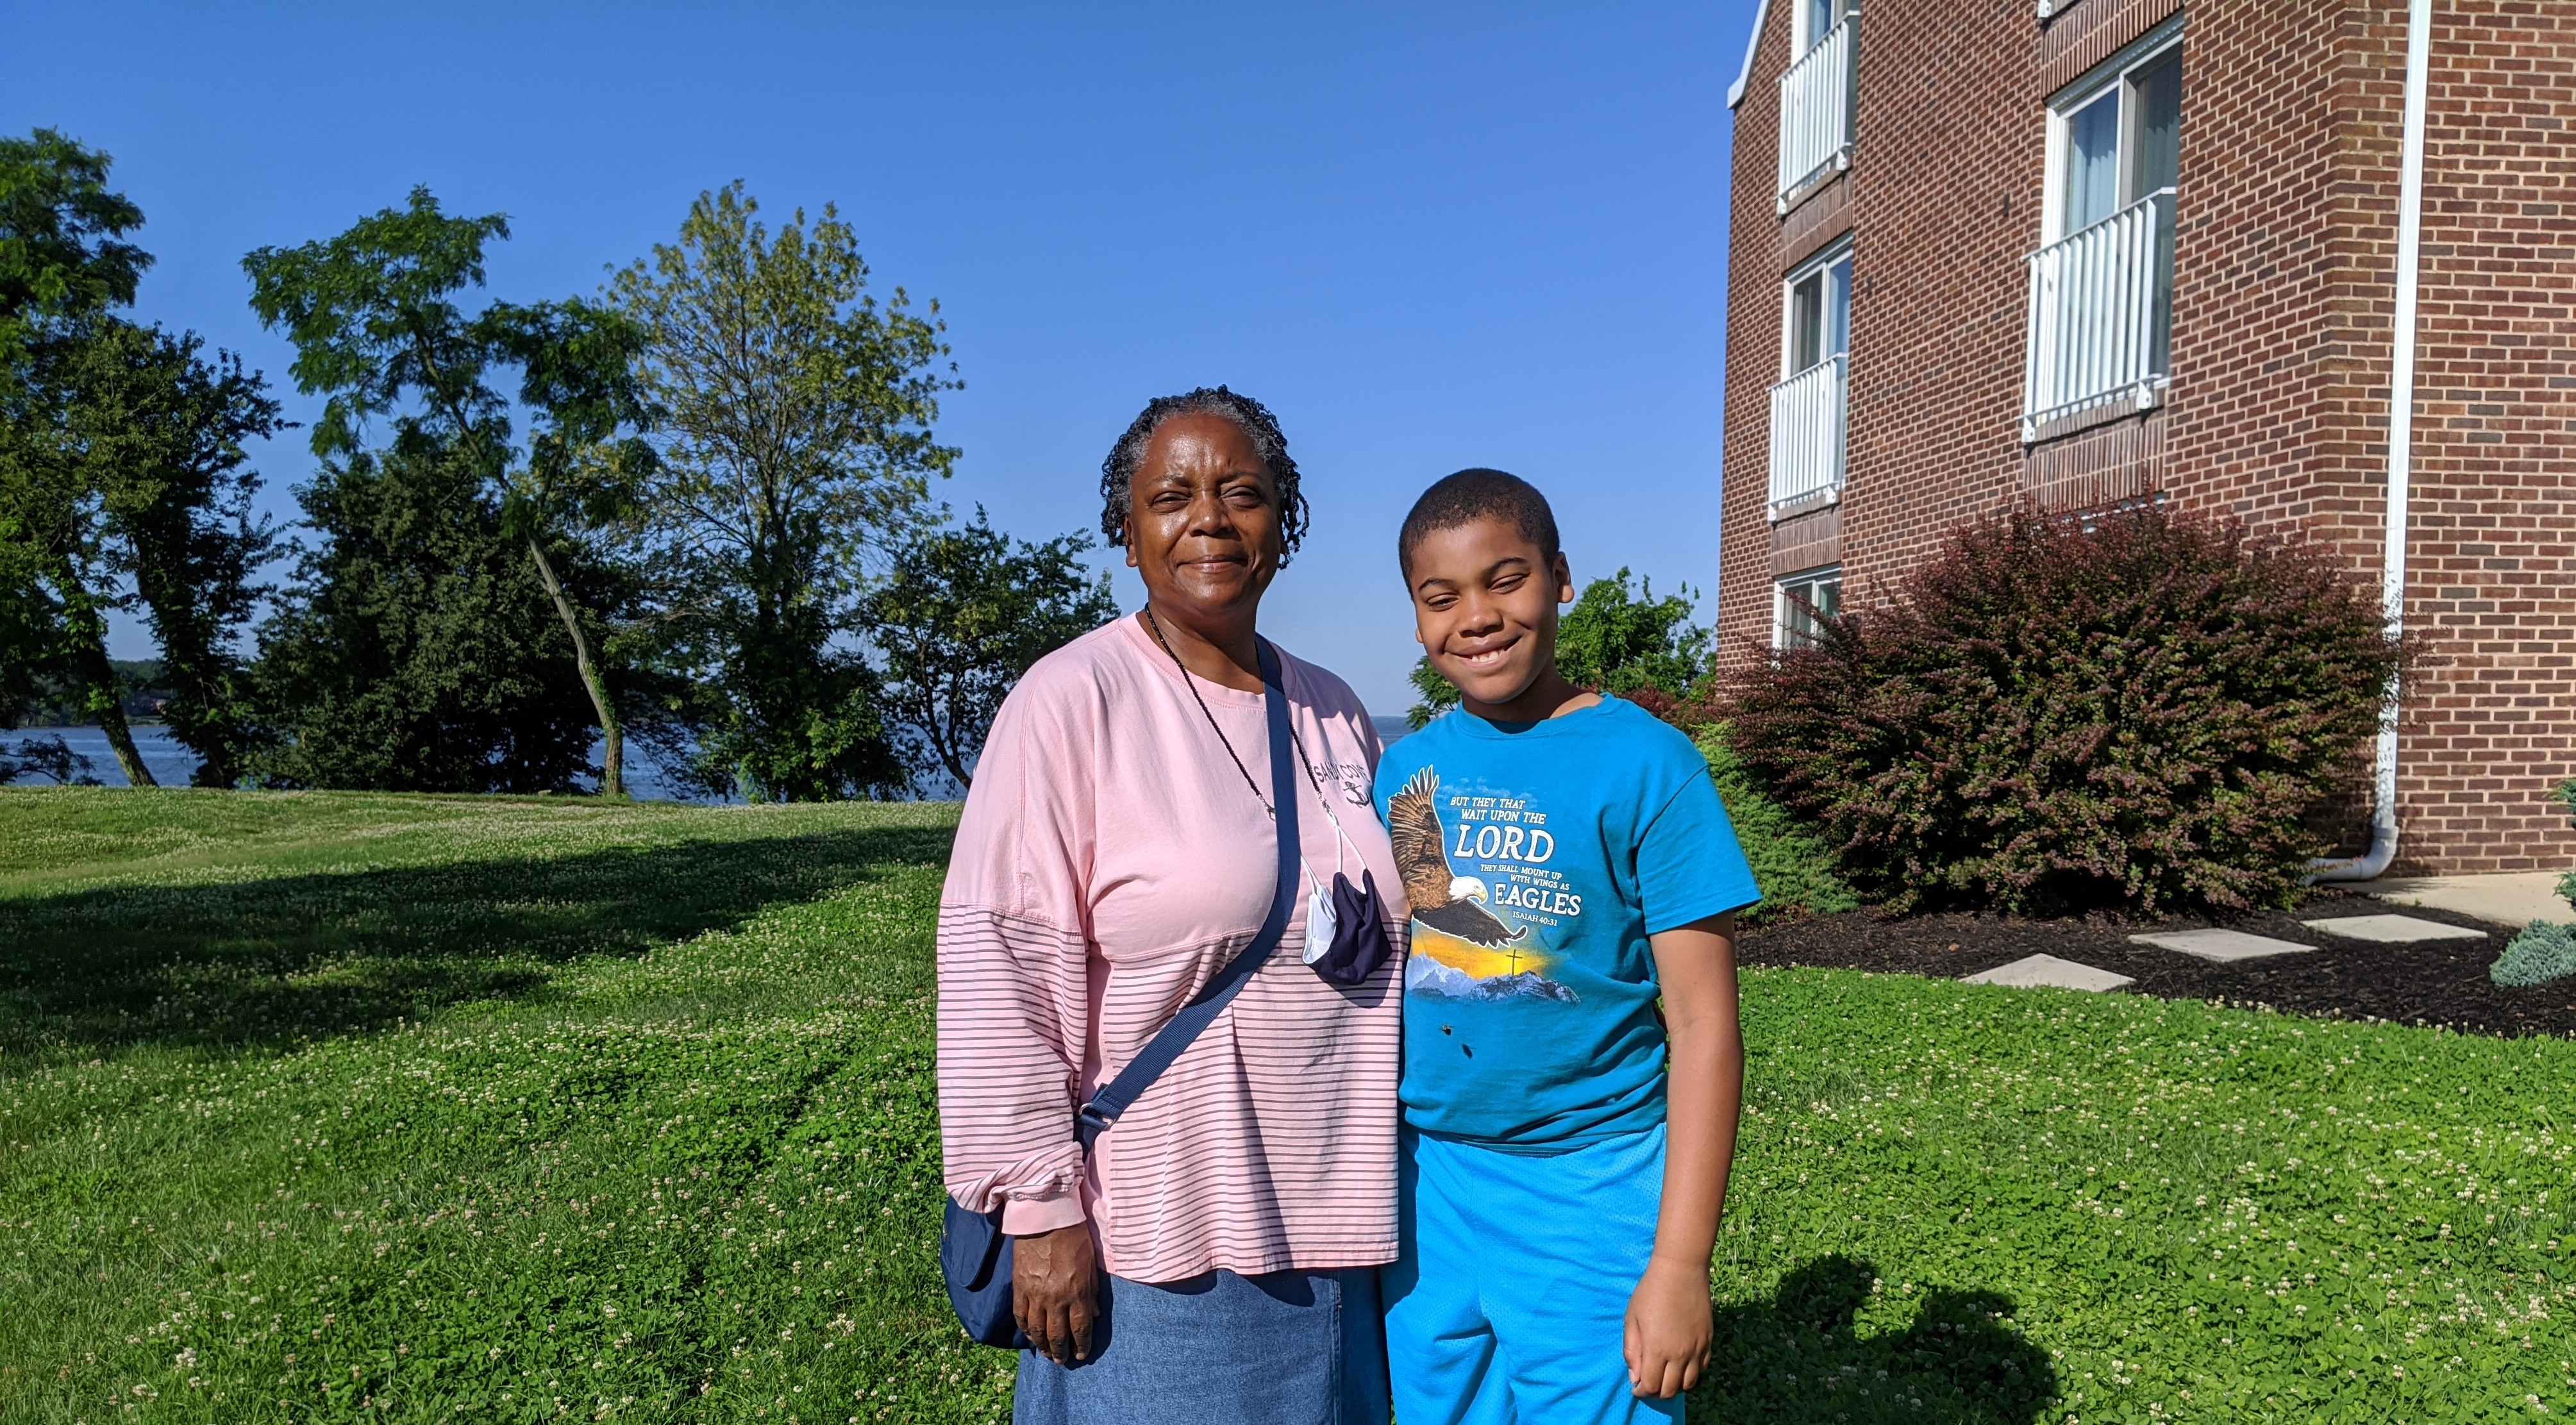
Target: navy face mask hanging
<point x="1346" y="930"/>
<point x="974" y="1251"/>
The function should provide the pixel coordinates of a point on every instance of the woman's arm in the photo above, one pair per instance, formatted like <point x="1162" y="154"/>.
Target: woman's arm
<point x="1014" y="1015"/>
<point x="1012" y="1030"/>
<point x="1669" y="1327"/>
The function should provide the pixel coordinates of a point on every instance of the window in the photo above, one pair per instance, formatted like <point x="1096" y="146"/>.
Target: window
<point x="1819" y="313"/>
<point x="1819" y="96"/>
<point x="1817" y="18"/>
<point x="1803" y="603"/>
<point x="1811" y="403"/>
<point x="2101" y="306"/>
<point x="2121" y="143"/>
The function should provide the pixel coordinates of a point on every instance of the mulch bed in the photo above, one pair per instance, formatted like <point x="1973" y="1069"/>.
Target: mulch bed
<point x="2439" y="982"/>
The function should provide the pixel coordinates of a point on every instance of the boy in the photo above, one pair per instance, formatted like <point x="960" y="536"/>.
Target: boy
<point x="1568" y="863"/>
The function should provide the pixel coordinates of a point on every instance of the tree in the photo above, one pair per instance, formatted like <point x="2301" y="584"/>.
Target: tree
<point x="960" y="616"/>
<point x="122" y="467"/>
<point x="61" y="254"/>
<point x="415" y="649"/>
<point x="795" y="443"/>
<point x="376" y="329"/>
<point x="1611" y="642"/>
<point x="127" y="465"/>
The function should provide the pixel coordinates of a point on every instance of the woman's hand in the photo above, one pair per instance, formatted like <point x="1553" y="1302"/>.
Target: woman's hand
<point x="1669" y="1329"/>
<point x="1055" y="1291"/>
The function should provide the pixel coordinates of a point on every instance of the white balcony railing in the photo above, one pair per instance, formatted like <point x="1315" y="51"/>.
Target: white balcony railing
<point x="1816" y="102"/>
<point x="2100" y="304"/>
<point x="1807" y="414"/>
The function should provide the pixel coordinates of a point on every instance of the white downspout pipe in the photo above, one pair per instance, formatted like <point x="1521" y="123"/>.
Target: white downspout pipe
<point x="2401" y="439"/>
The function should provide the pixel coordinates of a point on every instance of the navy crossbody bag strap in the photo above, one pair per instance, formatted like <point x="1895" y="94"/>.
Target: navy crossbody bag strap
<point x="1114" y="1098"/>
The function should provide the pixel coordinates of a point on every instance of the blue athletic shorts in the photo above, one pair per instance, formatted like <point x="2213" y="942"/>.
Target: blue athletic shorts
<point x="1510" y="1303"/>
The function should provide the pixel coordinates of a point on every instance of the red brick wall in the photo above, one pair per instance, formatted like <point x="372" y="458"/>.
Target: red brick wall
<point x="2492" y="549"/>
<point x="1752" y="352"/>
<point x="2285" y="258"/>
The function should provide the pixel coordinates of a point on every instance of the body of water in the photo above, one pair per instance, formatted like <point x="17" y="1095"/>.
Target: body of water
<point x="172" y="764"/>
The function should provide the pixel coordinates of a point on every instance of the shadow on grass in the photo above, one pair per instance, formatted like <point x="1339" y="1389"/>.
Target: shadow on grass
<point x="1799" y="1357"/>
<point x="293" y="957"/>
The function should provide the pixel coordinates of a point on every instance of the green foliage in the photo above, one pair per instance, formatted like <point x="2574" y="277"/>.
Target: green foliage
<point x="1611" y="640"/>
<point x="126" y="467"/>
<point x="415" y="650"/>
<point x="28" y="617"/>
<point x="1620" y="643"/>
<point x="356" y="1068"/>
<point x="2565" y="792"/>
<point x="2135" y="712"/>
<point x="123" y="479"/>
<point x="1793" y="868"/>
<point x="420" y="532"/>
<point x="139" y="687"/>
<point x="2540" y="953"/>
<point x="960" y="616"/>
<point x="61" y="258"/>
<point x="795" y="441"/>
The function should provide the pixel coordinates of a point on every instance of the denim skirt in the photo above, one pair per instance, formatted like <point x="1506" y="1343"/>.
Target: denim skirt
<point x="1296" y="1348"/>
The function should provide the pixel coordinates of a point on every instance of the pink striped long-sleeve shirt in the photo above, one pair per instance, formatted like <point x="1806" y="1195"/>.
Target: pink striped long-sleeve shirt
<point x="1110" y="860"/>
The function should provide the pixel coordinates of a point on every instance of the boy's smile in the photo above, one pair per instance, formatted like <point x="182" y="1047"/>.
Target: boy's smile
<point x="1485" y="600"/>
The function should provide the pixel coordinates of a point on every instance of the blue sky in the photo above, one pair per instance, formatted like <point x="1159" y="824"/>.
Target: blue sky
<point x="1428" y="235"/>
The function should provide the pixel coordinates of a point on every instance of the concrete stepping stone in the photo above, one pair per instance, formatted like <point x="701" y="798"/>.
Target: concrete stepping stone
<point x="2049" y="970"/>
<point x="2392" y="929"/>
<point x="2224" y="946"/>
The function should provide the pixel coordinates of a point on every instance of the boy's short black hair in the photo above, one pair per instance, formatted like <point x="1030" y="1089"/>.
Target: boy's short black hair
<point x="1476" y="494"/>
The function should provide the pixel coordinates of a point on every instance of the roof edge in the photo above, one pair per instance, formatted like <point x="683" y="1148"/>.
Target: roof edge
<point x="1744" y="77"/>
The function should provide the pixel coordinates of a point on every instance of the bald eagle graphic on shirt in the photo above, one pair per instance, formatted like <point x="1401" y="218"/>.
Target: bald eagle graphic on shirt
<point x="1461" y="948"/>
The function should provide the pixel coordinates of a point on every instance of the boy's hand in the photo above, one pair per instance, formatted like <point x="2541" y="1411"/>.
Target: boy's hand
<point x="1669" y="1329"/>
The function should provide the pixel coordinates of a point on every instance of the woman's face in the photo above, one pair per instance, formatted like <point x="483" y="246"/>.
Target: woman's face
<point x="1203" y="518"/>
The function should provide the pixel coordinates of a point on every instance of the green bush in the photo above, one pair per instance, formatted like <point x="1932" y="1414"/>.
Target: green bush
<point x="2541" y="953"/>
<point x="1794" y="869"/>
<point x="2565" y="792"/>
<point x="2132" y="711"/>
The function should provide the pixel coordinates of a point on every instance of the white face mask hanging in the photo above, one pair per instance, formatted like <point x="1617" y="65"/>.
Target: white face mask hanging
<point x="1321" y="922"/>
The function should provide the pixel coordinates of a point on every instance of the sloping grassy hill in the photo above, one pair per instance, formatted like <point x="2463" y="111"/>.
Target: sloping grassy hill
<point x="326" y="1107"/>
<point x="340" y="1107"/>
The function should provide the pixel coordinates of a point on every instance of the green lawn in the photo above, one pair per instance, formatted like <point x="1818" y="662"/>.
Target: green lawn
<point x="319" y="1107"/>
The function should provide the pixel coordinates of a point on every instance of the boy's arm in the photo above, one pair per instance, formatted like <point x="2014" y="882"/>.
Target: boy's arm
<point x="1669" y="1330"/>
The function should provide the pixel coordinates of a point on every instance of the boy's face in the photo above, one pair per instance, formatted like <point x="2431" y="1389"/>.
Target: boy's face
<point x="1485" y="606"/>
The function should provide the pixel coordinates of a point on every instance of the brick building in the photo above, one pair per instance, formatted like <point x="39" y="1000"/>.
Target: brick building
<point x="2089" y="251"/>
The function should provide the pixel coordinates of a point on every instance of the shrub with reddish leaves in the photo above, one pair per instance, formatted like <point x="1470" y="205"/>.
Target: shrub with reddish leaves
<point x="2055" y="716"/>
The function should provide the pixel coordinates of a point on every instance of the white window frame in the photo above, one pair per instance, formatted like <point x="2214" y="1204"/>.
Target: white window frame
<point x="1840" y="250"/>
<point x="2111" y="74"/>
<point x="1780" y="600"/>
<point x="1802" y="31"/>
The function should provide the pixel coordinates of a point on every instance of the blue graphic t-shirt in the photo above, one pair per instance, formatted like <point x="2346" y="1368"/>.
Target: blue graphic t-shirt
<point x="1538" y="858"/>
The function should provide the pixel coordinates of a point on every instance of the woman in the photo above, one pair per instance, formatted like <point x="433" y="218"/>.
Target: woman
<point x="1213" y="1257"/>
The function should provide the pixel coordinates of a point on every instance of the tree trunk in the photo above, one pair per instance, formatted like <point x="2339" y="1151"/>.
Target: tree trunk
<point x="612" y="771"/>
<point x="89" y="652"/>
